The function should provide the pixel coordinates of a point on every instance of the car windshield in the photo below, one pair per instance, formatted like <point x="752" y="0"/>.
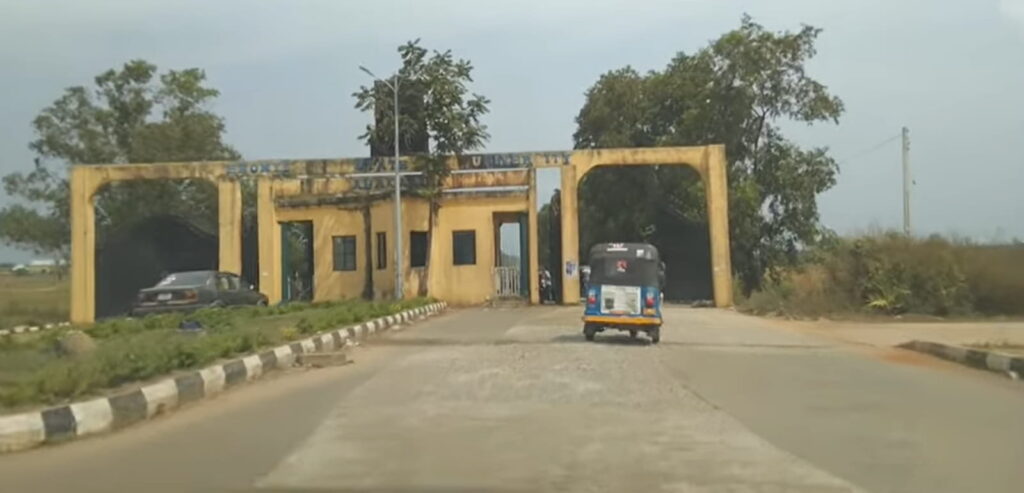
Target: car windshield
<point x="185" y="279"/>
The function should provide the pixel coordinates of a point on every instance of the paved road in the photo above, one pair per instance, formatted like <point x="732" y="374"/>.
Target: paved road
<point x="515" y="400"/>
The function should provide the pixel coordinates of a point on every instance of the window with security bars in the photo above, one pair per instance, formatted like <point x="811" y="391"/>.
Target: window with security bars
<point x="417" y="248"/>
<point x="464" y="247"/>
<point x="344" y="253"/>
<point x="382" y="251"/>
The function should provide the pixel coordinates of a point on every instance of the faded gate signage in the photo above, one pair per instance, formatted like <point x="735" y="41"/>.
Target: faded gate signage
<point x="320" y="167"/>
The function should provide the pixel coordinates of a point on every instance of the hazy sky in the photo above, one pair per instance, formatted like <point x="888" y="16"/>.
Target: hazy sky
<point x="951" y="70"/>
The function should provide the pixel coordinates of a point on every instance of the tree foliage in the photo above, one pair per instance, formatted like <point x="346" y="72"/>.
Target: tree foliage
<point x="735" y="91"/>
<point x="434" y="100"/>
<point x="438" y="117"/>
<point x="131" y="115"/>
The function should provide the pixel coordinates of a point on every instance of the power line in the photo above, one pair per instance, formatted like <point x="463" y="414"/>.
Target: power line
<point x="871" y="149"/>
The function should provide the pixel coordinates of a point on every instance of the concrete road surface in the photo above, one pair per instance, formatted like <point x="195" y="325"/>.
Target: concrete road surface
<point x="515" y="400"/>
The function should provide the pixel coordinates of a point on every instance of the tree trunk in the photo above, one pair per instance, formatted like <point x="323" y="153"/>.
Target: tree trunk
<point x="425" y="278"/>
<point x="368" y="249"/>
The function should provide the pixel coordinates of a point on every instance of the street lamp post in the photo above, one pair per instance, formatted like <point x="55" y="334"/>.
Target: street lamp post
<point x="398" y="187"/>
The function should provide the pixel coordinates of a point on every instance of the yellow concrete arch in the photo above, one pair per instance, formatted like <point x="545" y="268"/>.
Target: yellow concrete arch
<point x="86" y="181"/>
<point x="710" y="164"/>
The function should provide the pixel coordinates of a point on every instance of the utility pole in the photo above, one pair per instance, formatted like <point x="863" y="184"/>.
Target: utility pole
<point x="398" y="188"/>
<point x="398" y="203"/>
<point x="906" y="181"/>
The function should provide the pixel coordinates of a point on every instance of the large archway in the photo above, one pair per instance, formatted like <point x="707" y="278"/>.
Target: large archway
<point x="670" y="214"/>
<point x="87" y="181"/>
<point x="710" y="164"/>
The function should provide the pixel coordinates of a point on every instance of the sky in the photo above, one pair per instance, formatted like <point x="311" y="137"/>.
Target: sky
<point x="952" y="71"/>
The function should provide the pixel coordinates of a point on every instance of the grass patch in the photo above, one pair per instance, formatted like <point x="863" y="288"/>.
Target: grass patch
<point x="891" y="274"/>
<point x="33" y="372"/>
<point x="32" y="300"/>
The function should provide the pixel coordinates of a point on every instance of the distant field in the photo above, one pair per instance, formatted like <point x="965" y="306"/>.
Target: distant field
<point x="32" y="300"/>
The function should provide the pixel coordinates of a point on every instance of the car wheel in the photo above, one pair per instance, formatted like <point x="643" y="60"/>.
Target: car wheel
<point x="261" y="303"/>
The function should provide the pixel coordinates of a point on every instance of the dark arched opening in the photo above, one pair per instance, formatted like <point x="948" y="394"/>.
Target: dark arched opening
<point x="661" y="205"/>
<point x="146" y="229"/>
<point x="137" y="256"/>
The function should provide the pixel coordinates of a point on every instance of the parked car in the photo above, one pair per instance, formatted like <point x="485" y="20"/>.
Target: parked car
<point x="187" y="291"/>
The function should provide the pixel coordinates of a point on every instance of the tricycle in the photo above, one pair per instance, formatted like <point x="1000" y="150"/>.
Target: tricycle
<point x="625" y="290"/>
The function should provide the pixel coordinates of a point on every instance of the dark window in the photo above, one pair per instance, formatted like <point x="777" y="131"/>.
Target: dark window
<point x="344" y="253"/>
<point x="382" y="250"/>
<point x="464" y="247"/>
<point x="417" y="248"/>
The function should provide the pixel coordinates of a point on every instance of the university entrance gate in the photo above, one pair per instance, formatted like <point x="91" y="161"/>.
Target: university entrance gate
<point x="336" y="197"/>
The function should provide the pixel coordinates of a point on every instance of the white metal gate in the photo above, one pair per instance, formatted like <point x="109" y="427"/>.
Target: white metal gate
<point x="506" y="282"/>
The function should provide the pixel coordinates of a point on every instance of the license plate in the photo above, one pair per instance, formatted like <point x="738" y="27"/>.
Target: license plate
<point x="163" y="296"/>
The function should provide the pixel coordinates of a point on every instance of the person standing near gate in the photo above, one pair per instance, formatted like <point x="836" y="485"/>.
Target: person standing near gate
<point x="584" y="280"/>
<point x="546" y="293"/>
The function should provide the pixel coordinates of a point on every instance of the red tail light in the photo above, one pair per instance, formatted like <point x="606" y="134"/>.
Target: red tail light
<point x="592" y="297"/>
<point x="650" y="300"/>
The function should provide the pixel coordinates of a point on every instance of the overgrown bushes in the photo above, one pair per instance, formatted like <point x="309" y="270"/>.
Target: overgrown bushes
<point x="894" y="274"/>
<point x="131" y="350"/>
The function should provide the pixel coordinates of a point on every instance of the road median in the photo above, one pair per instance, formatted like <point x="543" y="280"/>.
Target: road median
<point x="981" y="359"/>
<point x="104" y="414"/>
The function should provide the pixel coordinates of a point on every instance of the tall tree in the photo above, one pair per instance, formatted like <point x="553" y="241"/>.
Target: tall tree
<point x="131" y="115"/>
<point x="735" y="92"/>
<point x="434" y="100"/>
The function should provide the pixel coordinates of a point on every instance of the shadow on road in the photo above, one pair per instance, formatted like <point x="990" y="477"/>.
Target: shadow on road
<point x="609" y="339"/>
<point x="614" y="339"/>
<point x="397" y="489"/>
<point x="617" y="340"/>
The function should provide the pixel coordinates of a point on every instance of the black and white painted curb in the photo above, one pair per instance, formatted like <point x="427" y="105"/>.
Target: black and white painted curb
<point x="24" y="329"/>
<point x="976" y="358"/>
<point x="28" y="430"/>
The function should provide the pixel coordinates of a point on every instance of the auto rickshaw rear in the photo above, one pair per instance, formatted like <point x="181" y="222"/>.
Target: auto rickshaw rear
<point x="624" y="292"/>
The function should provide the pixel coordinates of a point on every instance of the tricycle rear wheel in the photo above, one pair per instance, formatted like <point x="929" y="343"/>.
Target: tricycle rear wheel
<point x="589" y="331"/>
<point x="655" y="335"/>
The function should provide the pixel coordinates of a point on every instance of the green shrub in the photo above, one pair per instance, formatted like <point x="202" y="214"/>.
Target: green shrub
<point x="897" y="274"/>
<point x="304" y="326"/>
<point x="773" y="298"/>
<point x="892" y="274"/>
